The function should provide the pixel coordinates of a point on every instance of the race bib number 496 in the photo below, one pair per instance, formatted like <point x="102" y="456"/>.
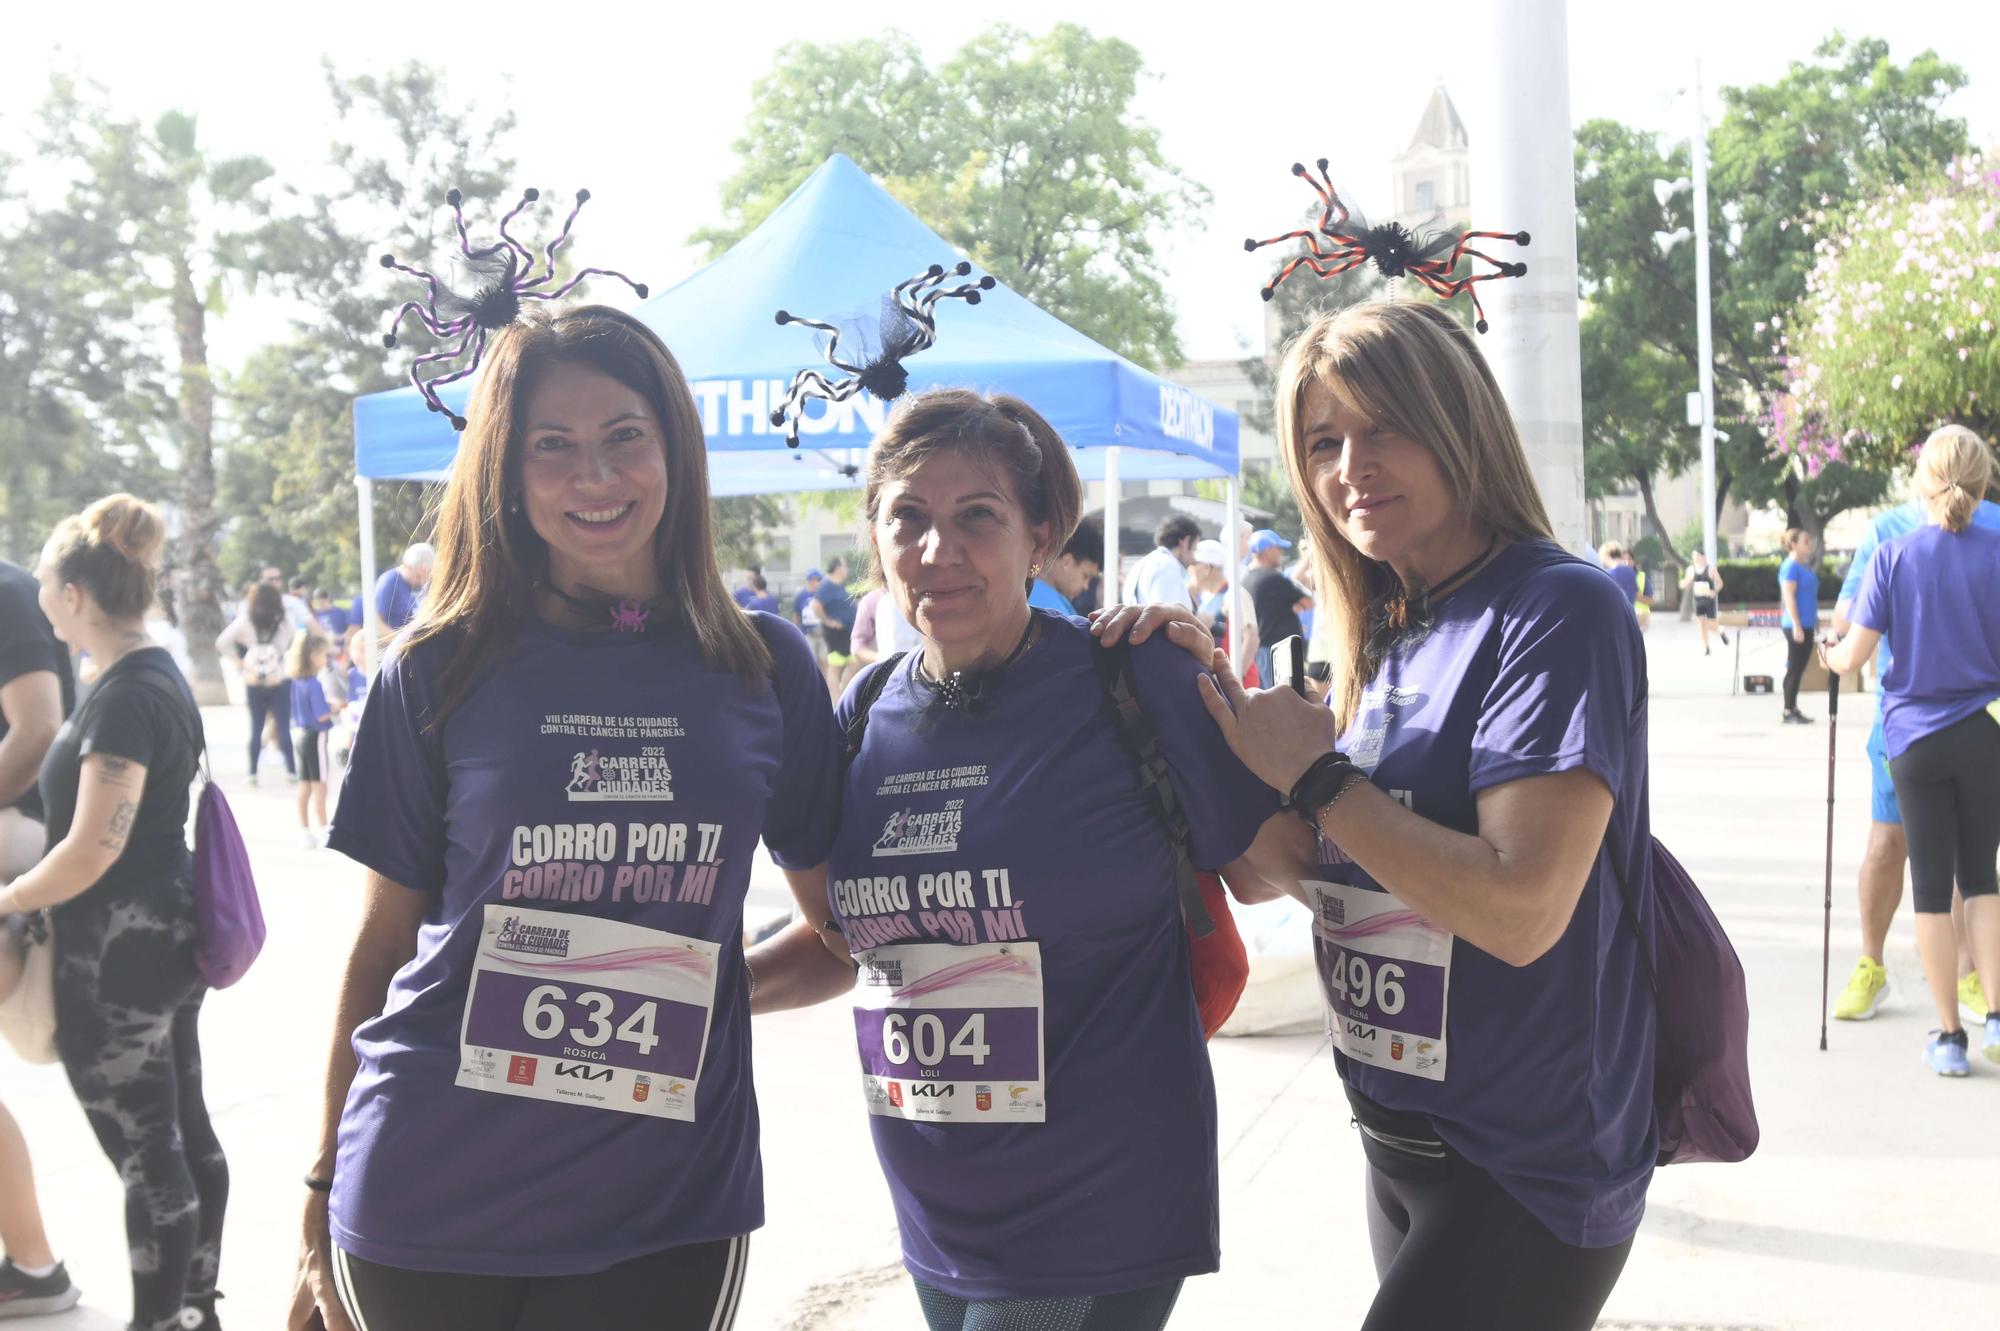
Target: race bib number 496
<point x="951" y="1034"/>
<point x="591" y="1012"/>
<point x="1385" y="972"/>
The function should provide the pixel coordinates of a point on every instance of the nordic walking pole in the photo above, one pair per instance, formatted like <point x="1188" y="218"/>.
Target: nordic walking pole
<point x="1826" y="936"/>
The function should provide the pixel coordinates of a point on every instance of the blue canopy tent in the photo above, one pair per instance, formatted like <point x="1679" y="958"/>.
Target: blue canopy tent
<point x="835" y="247"/>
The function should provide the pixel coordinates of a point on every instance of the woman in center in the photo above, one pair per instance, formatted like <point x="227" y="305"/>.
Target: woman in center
<point x="1030" y="1049"/>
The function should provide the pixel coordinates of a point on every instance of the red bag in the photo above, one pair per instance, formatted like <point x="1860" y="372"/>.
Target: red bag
<point x="1220" y="962"/>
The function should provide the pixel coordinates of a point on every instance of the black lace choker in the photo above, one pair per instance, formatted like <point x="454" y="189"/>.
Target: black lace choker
<point x="1402" y="620"/>
<point x="971" y="690"/>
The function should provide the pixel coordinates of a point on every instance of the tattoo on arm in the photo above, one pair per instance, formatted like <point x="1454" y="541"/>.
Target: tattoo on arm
<point x="121" y="825"/>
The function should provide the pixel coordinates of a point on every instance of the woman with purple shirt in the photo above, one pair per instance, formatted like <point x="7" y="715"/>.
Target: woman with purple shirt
<point x="1477" y="783"/>
<point x="539" y="1112"/>
<point x="1929" y="594"/>
<point x="1031" y="1053"/>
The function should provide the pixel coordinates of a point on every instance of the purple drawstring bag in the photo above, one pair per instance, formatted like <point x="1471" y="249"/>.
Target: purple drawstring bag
<point x="1701" y="1062"/>
<point x="227" y="912"/>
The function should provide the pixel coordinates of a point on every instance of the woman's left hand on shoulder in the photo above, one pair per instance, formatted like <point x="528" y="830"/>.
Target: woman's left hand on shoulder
<point x="1276" y="733"/>
<point x="1140" y="622"/>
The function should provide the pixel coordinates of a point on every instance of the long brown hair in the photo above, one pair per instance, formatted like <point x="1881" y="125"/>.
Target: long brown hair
<point x="488" y="555"/>
<point x="1415" y="369"/>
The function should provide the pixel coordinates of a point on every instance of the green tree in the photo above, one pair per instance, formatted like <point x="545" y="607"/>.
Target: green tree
<point x="1022" y="150"/>
<point x="185" y="219"/>
<point x="82" y="393"/>
<point x="1834" y="129"/>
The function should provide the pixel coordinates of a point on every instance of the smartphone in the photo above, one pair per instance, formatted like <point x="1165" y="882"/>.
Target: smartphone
<point x="1288" y="663"/>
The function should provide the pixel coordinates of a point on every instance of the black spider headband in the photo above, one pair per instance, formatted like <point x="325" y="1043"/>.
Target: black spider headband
<point x="904" y="324"/>
<point x="503" y="276"/>
<point x="1431" y="259"/>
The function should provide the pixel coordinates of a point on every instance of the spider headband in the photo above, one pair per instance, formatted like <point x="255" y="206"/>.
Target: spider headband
<point x="502" y="277"/>
<point x="904" y="324"/>
<point x="1343" y="240"/>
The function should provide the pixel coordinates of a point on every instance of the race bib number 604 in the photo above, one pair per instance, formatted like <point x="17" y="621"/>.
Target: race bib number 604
<point x="951" y="1034"/>
<point x="586" y="1011"/>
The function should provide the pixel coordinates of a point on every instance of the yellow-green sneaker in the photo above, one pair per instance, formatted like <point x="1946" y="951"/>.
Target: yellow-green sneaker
<point x="1866" y="987"/>
<point x="1971" y="999"/>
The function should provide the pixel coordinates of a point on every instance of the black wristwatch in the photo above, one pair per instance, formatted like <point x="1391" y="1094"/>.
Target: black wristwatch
<point x="1332" y="775"/>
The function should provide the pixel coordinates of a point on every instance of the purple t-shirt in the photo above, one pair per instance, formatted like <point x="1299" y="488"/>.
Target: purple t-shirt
<point x="1930" y="594"/>
<point x="435" y="1176"/>
<point x="1037" y="806"/>
<point x="1534" y="667"/>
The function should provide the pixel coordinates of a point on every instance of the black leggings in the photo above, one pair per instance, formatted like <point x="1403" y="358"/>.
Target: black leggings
<point x="273" y="701"/>
<point x="1948" y="784"/>
<point x="691" y="1288"/>
<point x="1796" y="656"/>
<point x="128" y="999"/>
<point x="1455" y="1252"/>
<point x="1132" y="1310"/>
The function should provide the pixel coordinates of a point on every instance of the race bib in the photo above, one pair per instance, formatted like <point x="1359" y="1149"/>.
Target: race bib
<point x="1704" y="589"/>
<point x="952" y="1034"/>
<point x="587" y="1012"/>
<point x="1386" y="973"/>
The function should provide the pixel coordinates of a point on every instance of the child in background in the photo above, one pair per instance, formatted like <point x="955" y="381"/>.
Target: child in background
<point x="312" y="717"/>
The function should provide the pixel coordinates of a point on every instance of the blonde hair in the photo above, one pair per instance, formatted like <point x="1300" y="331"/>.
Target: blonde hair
<point x="488" y="554"/>
<point x="1003" y="430"/>
<point x="1414" y="369"/>
<point x="111" y="550"/>
<point x="1953" y="473"/>
<point x="298" y="657"/>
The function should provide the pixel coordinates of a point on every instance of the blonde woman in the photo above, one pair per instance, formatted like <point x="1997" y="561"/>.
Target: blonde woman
<point x="118" y="880"/>
<point x="1943" y="741"/>
<point x="1480" y="877"/>
<point x="538" y="1110"/>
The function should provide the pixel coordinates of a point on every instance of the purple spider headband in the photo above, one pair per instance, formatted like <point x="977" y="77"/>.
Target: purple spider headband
<point x="503" y="276"/>
<point x="903" y="324"/>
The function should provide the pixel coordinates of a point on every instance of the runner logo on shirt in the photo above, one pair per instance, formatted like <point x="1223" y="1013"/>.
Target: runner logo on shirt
<point x="535" y="939"/>
<point x="597" y="776"/>
<point x="908" y="832"/>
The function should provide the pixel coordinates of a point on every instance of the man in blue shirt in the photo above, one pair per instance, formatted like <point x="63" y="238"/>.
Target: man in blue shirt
<point x="1070" y="573"/>
<point x="748" y="591"/>
<point x="1798" y="586"/>
<point x="398" y="590"/>
<point x="1882" y="863"/>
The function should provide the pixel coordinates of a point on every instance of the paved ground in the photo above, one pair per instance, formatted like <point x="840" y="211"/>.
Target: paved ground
<point x="1869" y="1206"/>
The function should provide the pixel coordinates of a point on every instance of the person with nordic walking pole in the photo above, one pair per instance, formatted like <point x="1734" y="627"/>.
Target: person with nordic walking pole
<point x="1940" y="720"/>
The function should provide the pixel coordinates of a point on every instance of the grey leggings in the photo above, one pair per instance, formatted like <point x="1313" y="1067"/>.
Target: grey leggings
<point x="1948" y="784"/>
<point x="128" y="999"/>
<point x="1132" y="1310"/>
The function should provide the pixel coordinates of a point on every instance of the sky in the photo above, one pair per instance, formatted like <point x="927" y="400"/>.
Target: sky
<point x="641" y="103"/>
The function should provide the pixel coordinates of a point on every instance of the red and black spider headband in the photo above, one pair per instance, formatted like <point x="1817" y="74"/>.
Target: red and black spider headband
<point x="502" y="276"/>
<point x="1343" y="241"/>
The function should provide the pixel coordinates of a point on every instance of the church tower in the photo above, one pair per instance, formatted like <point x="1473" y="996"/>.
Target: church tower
<point x="1432" y="178"/>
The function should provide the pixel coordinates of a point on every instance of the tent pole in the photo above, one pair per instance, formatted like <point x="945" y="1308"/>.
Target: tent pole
<point x="1114" y="591"/>
<point x="1231" y="519"/>
<point x="366" y="488"/>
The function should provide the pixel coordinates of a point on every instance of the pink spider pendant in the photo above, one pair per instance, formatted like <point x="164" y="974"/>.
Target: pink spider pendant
<point x="629" y="617"/>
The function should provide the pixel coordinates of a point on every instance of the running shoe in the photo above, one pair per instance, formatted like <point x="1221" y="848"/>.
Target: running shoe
<point x="1866" y="987"/>
<point x="23" y="1295"/>
<point x="1971" y="999"/>
<point x="1945" y="1054"/>
<point x="1992" y="1047"/>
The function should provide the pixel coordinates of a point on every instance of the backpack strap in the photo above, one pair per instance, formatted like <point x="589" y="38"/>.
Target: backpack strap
<point x="1141" y="740"/>
<point x="869" y="689"/>
<point x="1631" y="913"/>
